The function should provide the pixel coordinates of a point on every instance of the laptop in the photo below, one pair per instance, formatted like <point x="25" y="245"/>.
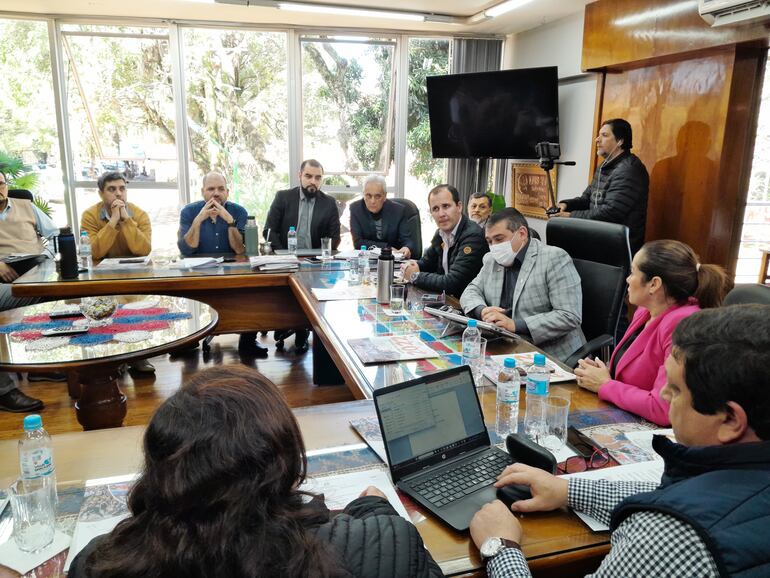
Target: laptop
<point x="437" y="444"/>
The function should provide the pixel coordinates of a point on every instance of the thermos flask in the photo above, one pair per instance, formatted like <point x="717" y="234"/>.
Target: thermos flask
<point x="252" y="236"/>
<point x="384" y="275"/>
<point x="68" y="253"/>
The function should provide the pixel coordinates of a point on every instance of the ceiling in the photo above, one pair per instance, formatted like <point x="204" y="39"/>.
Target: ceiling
<point x="531" y="15"/>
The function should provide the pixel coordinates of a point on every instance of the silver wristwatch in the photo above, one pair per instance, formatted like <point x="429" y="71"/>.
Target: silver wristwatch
<point x="414" y="277"/>
<point x="492" y="547"/>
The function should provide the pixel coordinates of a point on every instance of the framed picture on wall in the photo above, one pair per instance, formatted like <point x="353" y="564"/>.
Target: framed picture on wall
<point x="529" y="189"/>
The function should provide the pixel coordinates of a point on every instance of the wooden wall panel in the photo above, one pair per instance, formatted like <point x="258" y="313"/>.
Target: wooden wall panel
<point x="626" y="33"/>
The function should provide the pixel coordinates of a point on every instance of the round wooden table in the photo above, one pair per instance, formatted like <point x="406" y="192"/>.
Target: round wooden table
<point x="157" y="325"/>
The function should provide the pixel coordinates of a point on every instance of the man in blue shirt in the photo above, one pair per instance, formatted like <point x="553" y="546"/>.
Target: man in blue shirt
<point x="213" y="225"/>
<point x="216" y="225"/>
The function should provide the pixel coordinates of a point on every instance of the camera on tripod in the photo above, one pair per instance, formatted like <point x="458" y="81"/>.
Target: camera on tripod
<point x="548" y="151"/>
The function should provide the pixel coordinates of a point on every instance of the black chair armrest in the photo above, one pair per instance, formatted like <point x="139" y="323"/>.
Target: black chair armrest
<point x="593" y="347"/>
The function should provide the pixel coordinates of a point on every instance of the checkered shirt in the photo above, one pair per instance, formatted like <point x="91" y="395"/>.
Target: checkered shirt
<point x="645" y="543"/>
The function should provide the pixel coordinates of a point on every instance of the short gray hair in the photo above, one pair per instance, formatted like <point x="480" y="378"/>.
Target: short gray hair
<point x="379" y="179"/>
<point x="210" y="174"/>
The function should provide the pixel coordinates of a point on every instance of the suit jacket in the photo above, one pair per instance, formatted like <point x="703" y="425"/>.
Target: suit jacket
<point x="395" y="226"/>
<point x="284" y="213"/>
<point x="464" y="260"/>
<point x="640" y="374"/>
<point x="547" y="297"/>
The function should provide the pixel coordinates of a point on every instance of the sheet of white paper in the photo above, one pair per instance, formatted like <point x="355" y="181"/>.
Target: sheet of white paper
<point x="643" y="439"/>
<point x="116" y="265"/>
<point x="341" y="489"/>
<point x="87" y="531"/>
<point x="194" y="262"/>
<point x="23" y="562"/>
<point x="640" y="472"/>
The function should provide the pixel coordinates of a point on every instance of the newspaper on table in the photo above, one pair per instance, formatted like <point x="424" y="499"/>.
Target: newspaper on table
<point x="274" y="262"/>
<point x="391" y="348"/>
<point x="197" y="262"/>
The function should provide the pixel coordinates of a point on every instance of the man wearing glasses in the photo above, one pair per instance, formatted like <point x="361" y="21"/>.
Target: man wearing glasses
<point x="709" y="514"/>
<point x="23" y="228"/>
<point x="376" y="221"/>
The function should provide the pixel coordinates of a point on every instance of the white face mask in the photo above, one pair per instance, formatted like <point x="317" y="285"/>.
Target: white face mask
<point x="503" y="253"/>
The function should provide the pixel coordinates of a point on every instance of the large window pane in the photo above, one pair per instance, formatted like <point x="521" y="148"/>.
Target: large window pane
<point x="347" y="103"/>
<point x="237" y="107"/>
<point x="121" y="117"/>
<point x="27" y="110"/>
<point x="427" y="57"/>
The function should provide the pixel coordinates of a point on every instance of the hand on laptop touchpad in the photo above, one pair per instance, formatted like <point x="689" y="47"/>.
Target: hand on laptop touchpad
<point x="513" y="493"/>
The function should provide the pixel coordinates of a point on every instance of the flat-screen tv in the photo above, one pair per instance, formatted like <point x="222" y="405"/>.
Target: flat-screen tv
<point x="501" y="114"/>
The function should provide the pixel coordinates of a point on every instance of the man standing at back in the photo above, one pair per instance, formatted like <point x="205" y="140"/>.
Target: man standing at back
<point x="619" y="189"/>
<point x="479" y="209"/>
<point x="115" y="227"/>
<point x="710" y="513"/>
<point x="312" y="213"/>
<point x="456" y="250"/>
<point x="376" y="221"/>
<point x="213" y="225"/>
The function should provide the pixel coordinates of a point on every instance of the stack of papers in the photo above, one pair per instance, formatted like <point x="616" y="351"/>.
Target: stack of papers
<point x="274" y="262"/>
<point x="197" y="262"/>
<point x="123" y="263"/>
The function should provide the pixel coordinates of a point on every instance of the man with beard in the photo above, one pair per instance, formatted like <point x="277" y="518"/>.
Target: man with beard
<point x="479" y="208"/>
<point x="312" y="213"/>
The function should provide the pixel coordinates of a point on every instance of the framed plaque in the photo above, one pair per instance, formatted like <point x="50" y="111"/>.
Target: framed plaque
<point x="529" y="189"/>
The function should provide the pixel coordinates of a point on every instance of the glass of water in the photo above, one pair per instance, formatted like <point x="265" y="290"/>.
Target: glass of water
<point x="354" y="275"/>
<point x="556" y="415"/>
<point x="397" y="298"/>
<point x="34" y="518"/>
<point x="326" y="248"/>
<point x="477" y="367"/>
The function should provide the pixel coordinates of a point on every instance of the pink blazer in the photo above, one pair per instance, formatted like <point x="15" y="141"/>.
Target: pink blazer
<point x="640" y="374"/>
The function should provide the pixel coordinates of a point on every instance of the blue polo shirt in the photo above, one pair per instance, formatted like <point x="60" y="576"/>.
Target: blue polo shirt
<point x="213" y="236"/>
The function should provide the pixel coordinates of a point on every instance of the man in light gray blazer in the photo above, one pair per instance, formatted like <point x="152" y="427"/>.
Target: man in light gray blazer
<point x="527" y="287"/>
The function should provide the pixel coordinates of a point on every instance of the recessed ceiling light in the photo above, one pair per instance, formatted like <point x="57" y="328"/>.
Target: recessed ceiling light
<point x="505" y="7"/>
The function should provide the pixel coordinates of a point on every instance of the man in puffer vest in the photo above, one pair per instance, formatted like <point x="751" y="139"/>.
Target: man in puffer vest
<point x="710" y="514"/>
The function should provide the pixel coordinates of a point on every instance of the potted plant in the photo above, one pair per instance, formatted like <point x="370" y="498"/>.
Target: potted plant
<point x="21" y="176"/>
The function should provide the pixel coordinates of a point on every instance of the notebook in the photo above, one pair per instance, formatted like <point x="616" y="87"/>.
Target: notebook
<point x="438" y="447"/>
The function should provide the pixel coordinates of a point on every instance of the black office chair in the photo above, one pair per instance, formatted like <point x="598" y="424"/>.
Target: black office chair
<point x="748" y="293"/>
<point x="21" y="194"/>
<point x="533" y="234"/>
<point x="604" y="288"/>
<point x="415" y="227"/>
<point x="591" y="240"/>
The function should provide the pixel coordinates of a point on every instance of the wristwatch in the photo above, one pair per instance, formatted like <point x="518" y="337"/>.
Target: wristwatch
<point x="231" y="224"/>
<point x="414" y="277"/>
<point x="492" y="547"/>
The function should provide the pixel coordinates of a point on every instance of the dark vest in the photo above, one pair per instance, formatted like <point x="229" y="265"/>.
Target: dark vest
<point x="723" y="493"/>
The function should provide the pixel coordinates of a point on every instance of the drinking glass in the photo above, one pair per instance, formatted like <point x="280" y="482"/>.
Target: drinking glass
<point x="326" y="248"/>
<point x="556" y="414"/>
<point x="34" y="518"/>
<point x="397" y="298"/>
<point x="354" y="275"/>
<point x="478" y="364"/>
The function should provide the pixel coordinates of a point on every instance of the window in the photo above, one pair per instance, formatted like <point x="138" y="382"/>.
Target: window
<point x="27" y="114"/>
<point x="237" y="112"/>
<point x="427" y="57"/>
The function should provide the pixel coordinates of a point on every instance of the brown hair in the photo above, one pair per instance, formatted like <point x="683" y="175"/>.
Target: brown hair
<point x="682" y="275"/>
<point x="219" y="494"/>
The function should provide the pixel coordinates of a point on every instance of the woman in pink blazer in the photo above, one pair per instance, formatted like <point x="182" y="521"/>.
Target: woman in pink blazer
<point x="666" y="284"/>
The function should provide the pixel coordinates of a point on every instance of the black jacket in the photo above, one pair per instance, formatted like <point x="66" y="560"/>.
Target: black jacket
<point x="465" y="260"/>
<point x="369" y="537"/>
<point x="284" y="213"/>
<point x="617" y="194"/>
<point x="395" y="226"/>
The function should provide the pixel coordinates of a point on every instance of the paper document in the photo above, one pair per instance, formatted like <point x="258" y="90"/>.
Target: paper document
<point x="345" y="293"/>
<point x="24" y="562"/>
<point x="391" y="348"/>
<point x="641" y="472"/>
<point x="260" y="261"/>
<point x="643" y="439"/>
<point x="341" y="489"/>
<point x="196" y="262"/>
<point x="124" y="263"/>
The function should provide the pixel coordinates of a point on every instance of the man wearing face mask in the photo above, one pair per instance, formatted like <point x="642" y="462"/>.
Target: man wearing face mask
<point x="312" y="213"/>
<point x="619" y="189"/>
<point x="527" y="287"/>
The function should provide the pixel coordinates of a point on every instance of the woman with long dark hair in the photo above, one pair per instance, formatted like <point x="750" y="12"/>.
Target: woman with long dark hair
<point x="219" y="497"/>
<point x="667" y="284"/>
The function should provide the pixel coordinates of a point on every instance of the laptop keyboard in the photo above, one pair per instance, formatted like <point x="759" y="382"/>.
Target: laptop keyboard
<point x="447" y="486"/>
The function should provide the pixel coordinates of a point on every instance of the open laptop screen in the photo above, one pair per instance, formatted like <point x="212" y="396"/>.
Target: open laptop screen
<point x="432" y="416"/>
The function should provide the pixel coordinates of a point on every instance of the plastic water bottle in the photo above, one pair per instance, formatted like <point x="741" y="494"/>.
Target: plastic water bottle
<point x="86" y="261"/>
<point x="508" y="399"/>
<point x="363" y="265"/>
<point x="291" y="241"/>
<point x="471" y="345"/>
<point x="36" y="454"/>
<point x="538" y="381"/>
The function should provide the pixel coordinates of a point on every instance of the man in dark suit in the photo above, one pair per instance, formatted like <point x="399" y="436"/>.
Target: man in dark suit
<point x="312" y="213"/>
<point x="455" y="255"/>
<point x="377" y="221"/>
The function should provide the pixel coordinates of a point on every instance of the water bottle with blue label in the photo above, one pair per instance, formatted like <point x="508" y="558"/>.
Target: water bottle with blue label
<point x="538" y="383"/>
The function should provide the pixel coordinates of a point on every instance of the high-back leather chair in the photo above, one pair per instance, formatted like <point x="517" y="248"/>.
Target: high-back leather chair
<point x="748" y="293"/>
<point x="21" y="194"/>
<point x="591" y="240"/>
<point x="415" y="227"/>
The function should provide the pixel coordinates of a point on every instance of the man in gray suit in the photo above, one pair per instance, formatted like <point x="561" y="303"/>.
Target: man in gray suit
<point x="527" y="287"/>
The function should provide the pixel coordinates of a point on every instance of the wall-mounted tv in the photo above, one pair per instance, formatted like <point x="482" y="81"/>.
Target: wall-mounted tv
<point x="501" y="114"/>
